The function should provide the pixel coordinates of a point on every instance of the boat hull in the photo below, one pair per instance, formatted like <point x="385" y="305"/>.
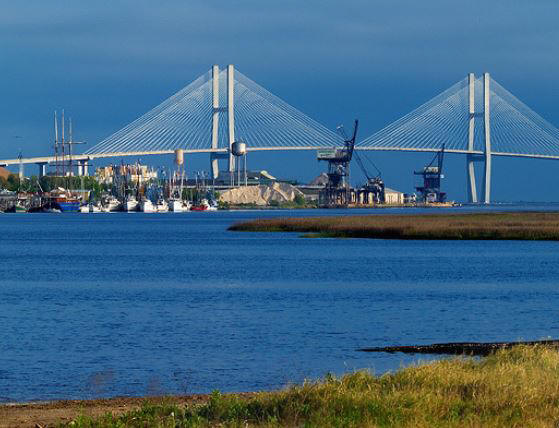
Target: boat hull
<point x="112" y="207"/>
<point x="199" y="208"/>
<point x="131" y="206"/>
<point x="176" y="206"/>
<point x="68" y="207"/>
<point x="147" y="207"/>
<point x="16" y="209"/>
<point x="162" y="208"/>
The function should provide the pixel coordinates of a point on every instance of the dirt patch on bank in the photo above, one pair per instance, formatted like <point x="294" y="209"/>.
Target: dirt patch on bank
<point x="51" y="413"/>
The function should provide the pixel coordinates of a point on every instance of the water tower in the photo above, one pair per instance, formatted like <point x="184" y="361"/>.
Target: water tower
<point x="178" y="174"/>
<point x="239" y="150"/>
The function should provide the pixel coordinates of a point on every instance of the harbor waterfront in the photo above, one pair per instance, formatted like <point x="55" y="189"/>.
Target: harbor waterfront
<point x="134" y="304"/>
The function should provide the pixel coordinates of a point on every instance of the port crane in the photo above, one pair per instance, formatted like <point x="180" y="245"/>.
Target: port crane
<point x="337" y="190"/>
<point x="374" y="185"/>
<point x="431" y="175"/>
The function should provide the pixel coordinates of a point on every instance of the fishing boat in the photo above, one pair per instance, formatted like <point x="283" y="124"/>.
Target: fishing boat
<point x="94" y="208"/>
<point x="130" y="203"/>
<point x="161" y="206"/>
<point x="176" y="187"/>
<point x="204" y="205"/>
<point x="110" y="204"/>
<point x="212" y="205"/>
<point x="21" y="202"/>
<point x="146" y="206"/>
<point x="90" y="208"/>
<point x="176" y="205"/>
<point x="62" y="200"/>
<point x="18" y="207"/>
<point x="199" y="207"/>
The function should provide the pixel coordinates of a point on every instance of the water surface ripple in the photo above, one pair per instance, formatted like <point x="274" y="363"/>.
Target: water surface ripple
<point x="134" y="304"/>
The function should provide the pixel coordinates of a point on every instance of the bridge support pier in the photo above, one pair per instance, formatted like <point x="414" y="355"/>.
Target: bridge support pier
<point x="82" y="168"/>
<point x="471" y="180"/>
<point x="42" y="168"/>
<point x="214" y="162"/>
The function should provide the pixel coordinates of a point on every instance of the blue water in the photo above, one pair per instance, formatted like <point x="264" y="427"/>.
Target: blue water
<point x="131" y="304"/>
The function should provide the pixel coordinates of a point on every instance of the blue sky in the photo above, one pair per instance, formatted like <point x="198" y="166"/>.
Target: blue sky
<point x="107" y="62"/>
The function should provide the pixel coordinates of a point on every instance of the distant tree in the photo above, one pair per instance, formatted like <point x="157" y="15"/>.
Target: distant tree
<point x="299" y="200"/>
<point x="13" y="182"/>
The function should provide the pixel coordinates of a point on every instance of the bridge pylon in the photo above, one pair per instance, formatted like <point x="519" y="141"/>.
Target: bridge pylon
<point x="486" y="157"/>
<point x="216" y="109"/>
<point x="470" y="159"/>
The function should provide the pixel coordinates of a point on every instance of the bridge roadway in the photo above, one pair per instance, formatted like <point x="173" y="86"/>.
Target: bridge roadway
<point x="82" y="160"/>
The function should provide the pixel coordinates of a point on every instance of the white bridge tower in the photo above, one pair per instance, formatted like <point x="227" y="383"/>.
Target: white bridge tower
<point x="216" y="110"/>
<point x="486" y="157"/>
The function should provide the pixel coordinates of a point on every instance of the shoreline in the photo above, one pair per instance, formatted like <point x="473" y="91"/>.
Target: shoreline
<point x="533" y="225"/>
<point x="455" y="391"/>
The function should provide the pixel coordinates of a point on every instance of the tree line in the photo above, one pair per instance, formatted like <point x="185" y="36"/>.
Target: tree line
<point x="45" y="183"/>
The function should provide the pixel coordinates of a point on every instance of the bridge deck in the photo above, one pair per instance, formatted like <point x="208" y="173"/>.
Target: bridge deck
<point x="51" y="159"/>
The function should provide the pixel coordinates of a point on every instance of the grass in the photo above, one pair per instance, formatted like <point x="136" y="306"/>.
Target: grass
<point x="525" y="226"/>
<point x="514" y="387"/>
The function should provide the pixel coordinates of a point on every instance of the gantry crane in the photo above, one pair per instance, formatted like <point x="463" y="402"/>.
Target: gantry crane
<point x="337" y="190"/>
<point x="430" y="187"/>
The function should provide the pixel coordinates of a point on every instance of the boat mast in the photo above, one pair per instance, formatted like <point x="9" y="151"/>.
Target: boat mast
<point x="70" y="149"/>
<point x="56" y="144"/>
<point x="63" y="142"/>
<point x="138" y="180"/>
<point x="182" y="183"/>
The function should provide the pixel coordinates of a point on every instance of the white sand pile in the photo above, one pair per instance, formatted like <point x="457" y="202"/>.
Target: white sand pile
<point x="261" y="195"/>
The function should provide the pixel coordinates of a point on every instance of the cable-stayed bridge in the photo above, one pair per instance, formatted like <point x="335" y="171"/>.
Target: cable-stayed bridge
<point x="210" y="114"/>
<point x="476" y="117"/>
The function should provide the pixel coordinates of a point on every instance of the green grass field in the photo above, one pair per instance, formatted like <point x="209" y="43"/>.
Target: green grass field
<point x="488" y="226"/>
<point x="518" y="387"/>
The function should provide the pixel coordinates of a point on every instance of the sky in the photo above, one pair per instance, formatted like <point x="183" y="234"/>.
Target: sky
<point x="108" y="62"/>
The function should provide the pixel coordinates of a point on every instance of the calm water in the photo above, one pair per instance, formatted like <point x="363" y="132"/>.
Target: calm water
<point x="133" y="304"/>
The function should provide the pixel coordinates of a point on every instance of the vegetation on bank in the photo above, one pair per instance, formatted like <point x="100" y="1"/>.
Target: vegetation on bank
<point x="35" y="184"/>
<point x="47" y="183"/>
<point x="525" y="225"/>
<point x="514" y="387"/>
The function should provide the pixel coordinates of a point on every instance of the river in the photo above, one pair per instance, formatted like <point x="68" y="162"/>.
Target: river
<point x="101" y="305"/>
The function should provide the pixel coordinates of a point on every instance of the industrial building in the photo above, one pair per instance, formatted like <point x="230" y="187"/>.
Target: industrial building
<point x="136" y="173"/>
<point x="393" y="197"/>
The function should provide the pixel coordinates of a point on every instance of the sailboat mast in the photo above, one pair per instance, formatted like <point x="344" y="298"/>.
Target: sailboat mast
<point x="63" y="143"/>
<point x="70" y="142"/>
<point x="56" y="144"/>
<point x="182" y="182"/>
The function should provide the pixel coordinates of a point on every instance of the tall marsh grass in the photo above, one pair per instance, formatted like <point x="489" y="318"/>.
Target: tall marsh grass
<point x="515" y="387"/>
<point x="525" y="226"/>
